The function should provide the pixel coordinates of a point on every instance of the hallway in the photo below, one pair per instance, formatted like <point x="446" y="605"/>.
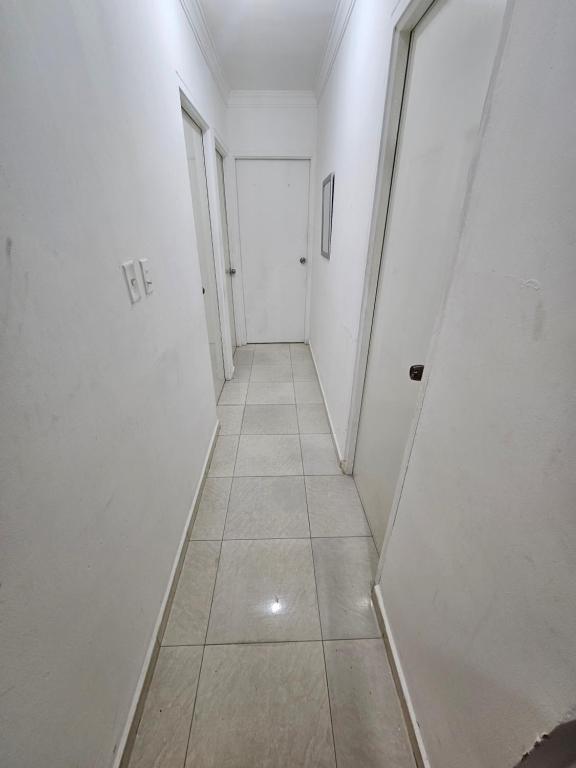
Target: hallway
<point x="272" y="655"/>
<point x="287" y="384"/>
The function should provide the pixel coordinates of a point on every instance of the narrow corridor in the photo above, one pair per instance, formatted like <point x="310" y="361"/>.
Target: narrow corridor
<point x="272" y="655"/>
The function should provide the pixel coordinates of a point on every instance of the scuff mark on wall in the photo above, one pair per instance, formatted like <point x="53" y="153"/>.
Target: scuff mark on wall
<point x="534" y="284"/>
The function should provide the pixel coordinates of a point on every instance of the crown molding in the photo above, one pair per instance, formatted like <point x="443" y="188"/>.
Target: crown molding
<point x="264" y="99"/>
<point x="195" y="14"/>
<point x="338" y="27"/>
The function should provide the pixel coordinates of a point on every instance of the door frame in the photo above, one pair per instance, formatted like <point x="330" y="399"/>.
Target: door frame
<point x="210" y="142"/>
<point x="241" y="334"/>
<point x="432" y="349"/>
<point x="405" y="17"/>
<point x="221" y="150"/>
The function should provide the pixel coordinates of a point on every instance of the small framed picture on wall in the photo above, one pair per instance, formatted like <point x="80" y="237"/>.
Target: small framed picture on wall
<point x="327" y="201"/>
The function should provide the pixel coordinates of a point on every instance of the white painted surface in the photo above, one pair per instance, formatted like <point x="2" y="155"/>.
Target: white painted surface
<point x="226" y="244"/>
<point x="272" y="124"/>
<point x="107" y="409"/>
<point x="204" y="246"/>
<point x="479" y="573"/>
<point x="452" y="53"/>
<point x="349" y="131"/>
<point x="273" y="215"/>
<point x="270" y="45"/>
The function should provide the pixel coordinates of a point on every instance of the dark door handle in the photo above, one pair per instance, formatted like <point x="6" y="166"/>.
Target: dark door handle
<point x="231" y="271"/>
<point x="302" y="260"/>
<point x="416" y="372"/>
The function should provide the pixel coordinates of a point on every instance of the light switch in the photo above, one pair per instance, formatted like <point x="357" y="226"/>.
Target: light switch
<point x="146" y="276"/>
<point x="129" y="269"/>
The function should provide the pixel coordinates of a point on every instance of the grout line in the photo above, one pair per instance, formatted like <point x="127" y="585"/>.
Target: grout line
<point x="276" y="642"/>
<point x="286" y="538"/>
<point x="211" y="604"/>
<point x="323" y="649"/>
<point x="318" y="607"/>
<point x="227" y="477"/>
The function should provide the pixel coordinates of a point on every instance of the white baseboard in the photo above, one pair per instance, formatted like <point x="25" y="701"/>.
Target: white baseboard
<point x="129" y="732"/>
<point x="414" y="731"/>
<point x="331" y="423"/>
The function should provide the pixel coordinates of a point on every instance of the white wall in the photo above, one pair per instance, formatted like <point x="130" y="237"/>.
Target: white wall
<point x="107" y="410"/>
<point x="350" y="115"/>
<point x="272" y="123"/>
<point x="266" y="124"/>
<point x="480" y="571"/>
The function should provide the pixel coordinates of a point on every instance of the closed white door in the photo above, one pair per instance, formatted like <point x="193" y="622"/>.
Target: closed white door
<point x="273" y="214"/>
<point x="201" y="213"/>
<point x="230" y="271"/>
<point x="452" y="52"/>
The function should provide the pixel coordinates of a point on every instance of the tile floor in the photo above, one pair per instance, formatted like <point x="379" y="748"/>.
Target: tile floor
<point x="272" y="654"/>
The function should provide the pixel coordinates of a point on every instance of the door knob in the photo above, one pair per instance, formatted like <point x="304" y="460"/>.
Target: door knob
<point x="231" y="271"/>
<point x="416" y="372"/>
<point x="302" y="260"/>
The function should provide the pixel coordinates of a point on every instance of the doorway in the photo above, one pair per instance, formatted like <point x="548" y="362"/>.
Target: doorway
<point x="201" y="212"/>
<point x="451" y="54"/>
<point x="273" y="217"/>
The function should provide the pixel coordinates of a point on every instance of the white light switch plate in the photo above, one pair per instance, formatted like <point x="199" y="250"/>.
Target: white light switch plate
<point x="146" y="275"/>
<point x="129" y="269"/>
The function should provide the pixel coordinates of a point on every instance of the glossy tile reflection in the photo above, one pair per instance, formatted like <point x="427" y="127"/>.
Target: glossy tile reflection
<point x="265" y="591"/>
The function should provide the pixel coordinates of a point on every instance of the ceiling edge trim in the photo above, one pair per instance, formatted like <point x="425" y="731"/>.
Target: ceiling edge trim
<point x="338" y="28"/>
<point x="245" y="98"/>
<point x="197" y="20"/>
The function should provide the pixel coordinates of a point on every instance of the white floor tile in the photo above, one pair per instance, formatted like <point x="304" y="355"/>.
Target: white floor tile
<point x="165" y="725"/>
<point x="268" y="456"/>
<point x="233" y="393"/>
<point x="345" y="569"/>
<point x="319" y="455"/>
<point x="224" y="457"/>
<point x="334" y="507"/>
<point x="264" y="592"/>
<point x="369" y="729"/>
<point x="262" y="705"/>
<point x="230" y="417"/>
<point x="307" y="392"/>
<point x="265" y="393"/>
<point x="270" y="420"/>
<point x="267" y="508"/>
<point x="211" y="515"/>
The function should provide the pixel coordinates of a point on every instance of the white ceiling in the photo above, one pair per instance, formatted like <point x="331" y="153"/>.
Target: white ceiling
<point x="270" y="44"/>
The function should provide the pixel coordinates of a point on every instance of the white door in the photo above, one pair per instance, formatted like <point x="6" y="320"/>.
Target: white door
<point x="273" y="213"/>
<point x="452" y="52"/>
<point x="201" y="213"/>
<point x="230" y="272"/>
